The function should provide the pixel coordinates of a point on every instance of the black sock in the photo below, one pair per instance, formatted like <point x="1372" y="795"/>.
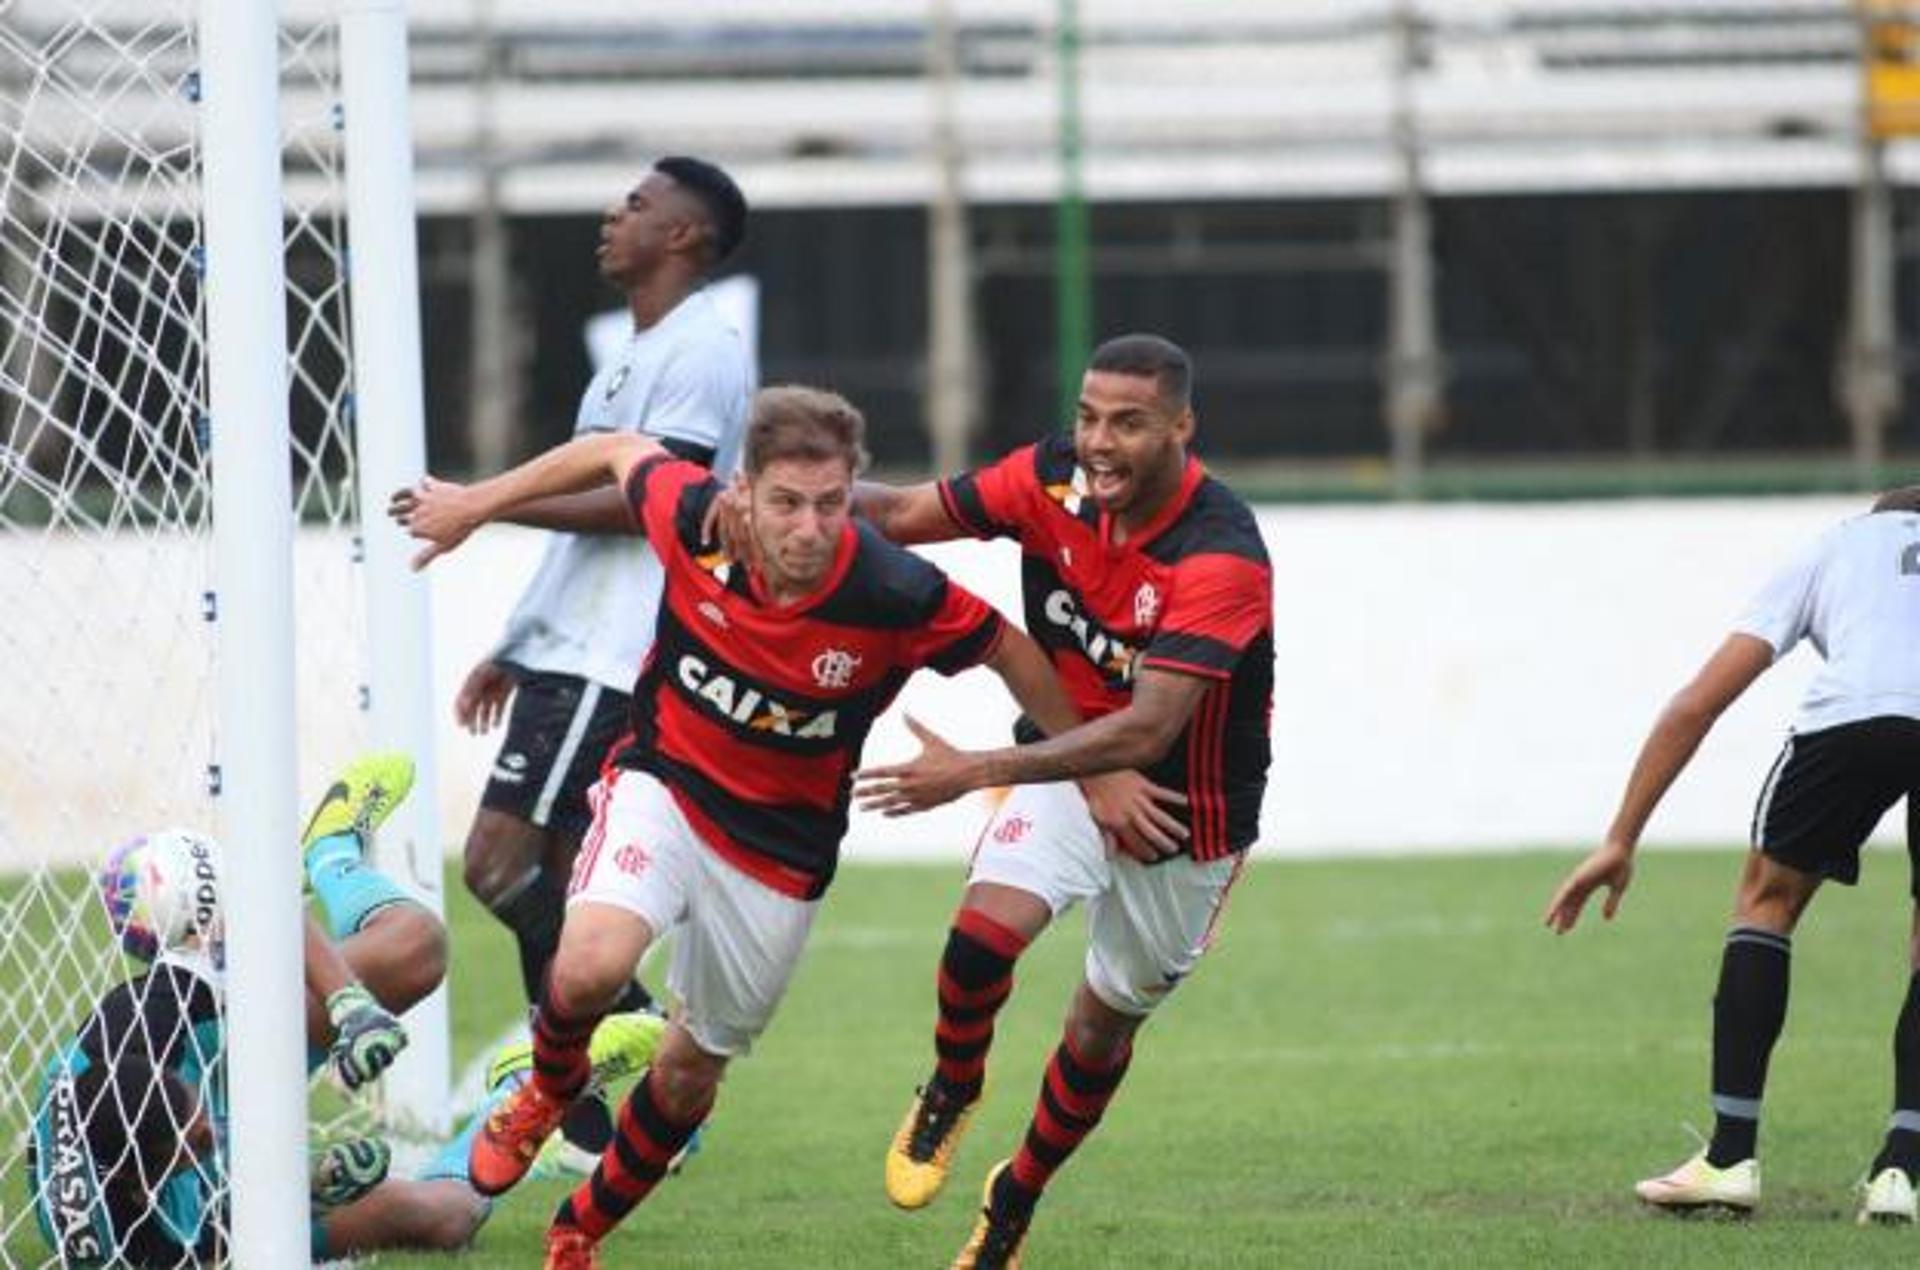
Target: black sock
<point x="1749" y="1009"/>
<point x="589" y="1124"/>
<point x="633" y="997"/>
<point x="1902" y="1147"/>
<point x="534" y="913"/>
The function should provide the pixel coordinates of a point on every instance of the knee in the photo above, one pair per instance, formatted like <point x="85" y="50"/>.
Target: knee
<point x="495" y="860"/>
<point x="685" y="1084"/>
<point x="588" y="975"/>
<point x="419" y="961"/>
<point x="1772" y="896"/>
<point x="1099" y="1034"/>
<point x="1770" y="907"/>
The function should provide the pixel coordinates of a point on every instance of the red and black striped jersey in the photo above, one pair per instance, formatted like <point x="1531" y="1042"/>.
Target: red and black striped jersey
<point x="1191" y="592"/>
<point x="753" y="714"/>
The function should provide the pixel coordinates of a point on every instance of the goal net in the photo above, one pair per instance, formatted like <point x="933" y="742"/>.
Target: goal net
<point x="108" y="605"/>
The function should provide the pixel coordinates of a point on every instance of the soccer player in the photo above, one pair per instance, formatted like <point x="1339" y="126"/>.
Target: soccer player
<point x="1147" y="582"/>
<point x="723" y="812"/>
<point x="127" y="1158"/>
<point x="128" y="1163"/>
<point x="1853" y="751"/>
<point x="567" y="658"/>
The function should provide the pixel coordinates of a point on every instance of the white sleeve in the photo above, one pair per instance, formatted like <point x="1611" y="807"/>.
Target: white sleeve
<point x="1781" y="612"/>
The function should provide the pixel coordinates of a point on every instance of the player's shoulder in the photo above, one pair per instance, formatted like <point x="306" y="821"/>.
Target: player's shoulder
<point x="684" y="488"/>
<point x="1047" y="463"/>
<point x="886" y="587"/>
<point x="709" y="334"/>
<point x="1217" y="522"/>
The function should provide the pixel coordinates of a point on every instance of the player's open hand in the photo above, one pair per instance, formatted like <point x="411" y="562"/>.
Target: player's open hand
<point x="439" y="512"/>
<point x="483" y="696"/>
<point x="1610" y="865"/>
<point x="939" y="774"/>
<point x="1133" y="814"/>
<point x="726" y="522"/>
<point x="366" y="1039"/>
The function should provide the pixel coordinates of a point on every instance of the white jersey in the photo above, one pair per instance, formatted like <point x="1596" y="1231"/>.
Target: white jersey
<point x="590" y="608"/>
<point x="1855" y="593"/>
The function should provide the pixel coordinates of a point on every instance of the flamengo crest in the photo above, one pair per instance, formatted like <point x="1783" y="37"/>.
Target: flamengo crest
<point x="834" y="667"/>
<point x="1146" y="604"/>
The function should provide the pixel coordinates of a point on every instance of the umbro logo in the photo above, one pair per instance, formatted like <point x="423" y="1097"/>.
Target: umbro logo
<point x="713" y="613"/>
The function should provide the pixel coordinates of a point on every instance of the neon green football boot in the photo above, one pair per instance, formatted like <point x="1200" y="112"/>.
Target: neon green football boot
<point x="621" y="1047"/>
<point x="361" y="797"/>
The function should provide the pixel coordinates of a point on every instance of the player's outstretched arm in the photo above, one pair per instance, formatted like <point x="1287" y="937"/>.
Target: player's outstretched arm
<point x="598" y="511"/>
<point x="1134" y="737"/>
<point x="906" y="514"/>
<point x="1129" y="808"/>
<point x="443" y="513"/>
<point x="1676" y="735"/>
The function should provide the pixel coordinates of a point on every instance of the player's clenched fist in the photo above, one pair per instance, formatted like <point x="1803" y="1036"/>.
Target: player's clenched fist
<point x="366" y="1038"/>
<point x="441" y="513"/>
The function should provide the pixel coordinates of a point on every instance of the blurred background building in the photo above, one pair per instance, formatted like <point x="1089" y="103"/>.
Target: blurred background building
<point x="1662" y="242"/>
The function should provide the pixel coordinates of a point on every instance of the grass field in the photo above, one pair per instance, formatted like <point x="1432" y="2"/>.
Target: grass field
<point x="1384" y="1062"/>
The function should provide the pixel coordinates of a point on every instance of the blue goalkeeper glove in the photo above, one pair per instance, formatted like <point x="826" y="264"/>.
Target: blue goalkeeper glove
<point x="366" y="1039"/>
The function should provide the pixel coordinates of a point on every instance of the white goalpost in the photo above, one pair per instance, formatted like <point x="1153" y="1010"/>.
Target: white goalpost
<point x="204" y="400"/>
<point x="392" y="453"/>
<point x="252" y="611"/>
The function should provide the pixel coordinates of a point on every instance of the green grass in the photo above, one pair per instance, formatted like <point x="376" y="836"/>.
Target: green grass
<point x="1383" y="1062"/>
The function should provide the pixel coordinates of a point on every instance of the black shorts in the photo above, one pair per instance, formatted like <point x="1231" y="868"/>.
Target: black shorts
<point x="558" y="734"/>
<point x="1828" y="789"/>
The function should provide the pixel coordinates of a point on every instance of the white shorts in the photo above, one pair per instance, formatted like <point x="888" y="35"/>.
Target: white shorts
<point x="738" y="939"/>
<point x="1147" y="926"/>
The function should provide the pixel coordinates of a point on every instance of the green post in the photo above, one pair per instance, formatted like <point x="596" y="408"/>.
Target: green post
<point x="1072" y="291"/>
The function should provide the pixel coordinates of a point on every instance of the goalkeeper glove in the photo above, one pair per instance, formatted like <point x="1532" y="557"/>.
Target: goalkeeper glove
<point x="345" y="1171"/>
<point x="366" y="1039"/>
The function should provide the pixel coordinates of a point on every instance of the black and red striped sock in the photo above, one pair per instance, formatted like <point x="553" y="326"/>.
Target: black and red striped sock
<point x="1073" y="1095"/>
<point x="976" y="977"/>
<point x="632" y="1165"/>
<point x="560" y="1037"/>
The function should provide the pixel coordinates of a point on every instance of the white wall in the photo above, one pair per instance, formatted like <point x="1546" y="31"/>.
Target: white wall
<point x="1449" y="678"/>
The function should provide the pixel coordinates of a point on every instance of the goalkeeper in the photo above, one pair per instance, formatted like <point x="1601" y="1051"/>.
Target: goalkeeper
<point x="128" y="1159"/>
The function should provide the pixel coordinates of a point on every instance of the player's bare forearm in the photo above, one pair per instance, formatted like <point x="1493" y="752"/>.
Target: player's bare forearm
<point x="905" y="513"/>
<point x="1669" y="747"/>
<point x="326" y="970"/>
<point x="1135" y="737"/>
<point x="1682" y="725"/>
<point x="576" y="467"/>
<point x="598" y="511"/>
<point x="443" y="513"/>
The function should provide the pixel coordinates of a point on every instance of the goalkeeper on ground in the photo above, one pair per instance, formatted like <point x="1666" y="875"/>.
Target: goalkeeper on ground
<point x="128" y="1158"/>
